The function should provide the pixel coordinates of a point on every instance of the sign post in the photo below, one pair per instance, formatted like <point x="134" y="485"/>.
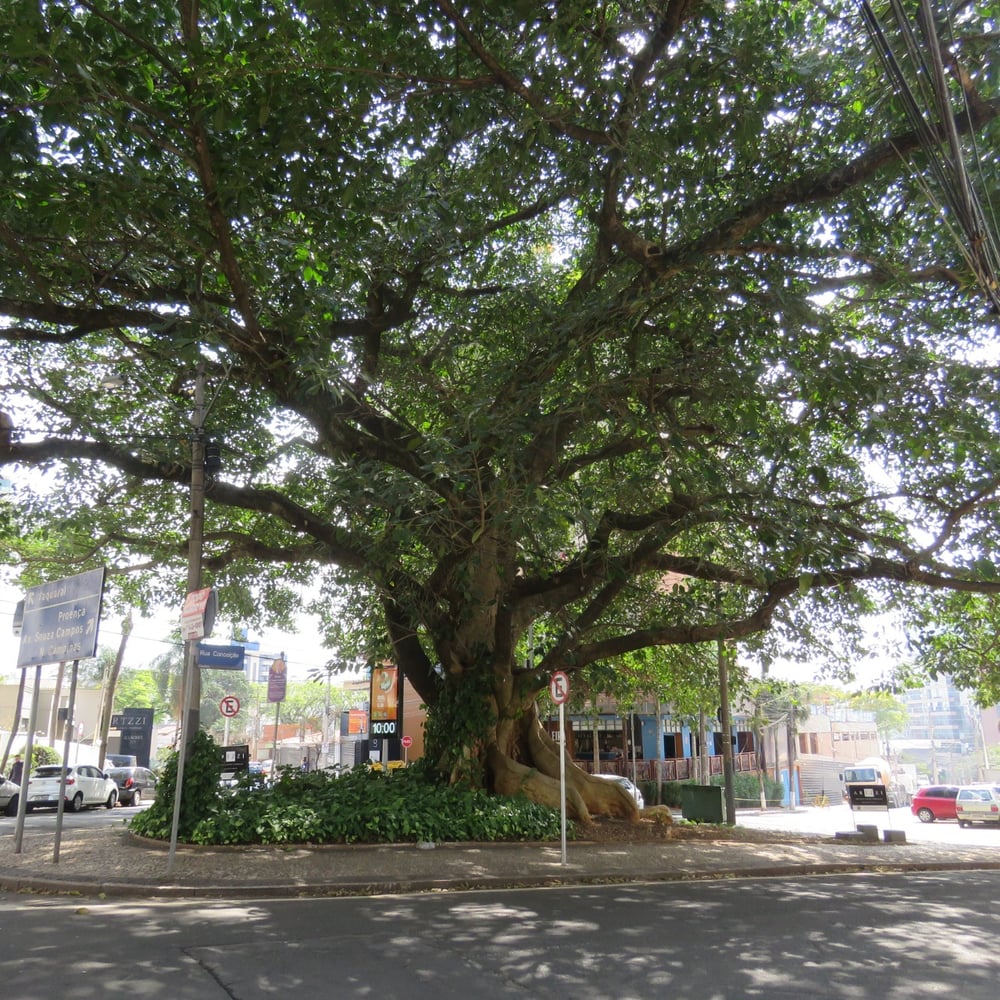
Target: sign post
<point x="59" y="621"/>
<point x="868" y="798"/>
<point x="559" y="692"/>
<point x="277" y="682"/>
<point x="406" y="742"/>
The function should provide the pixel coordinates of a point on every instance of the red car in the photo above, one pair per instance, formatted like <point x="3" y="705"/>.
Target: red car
<point x="934" y="802"/>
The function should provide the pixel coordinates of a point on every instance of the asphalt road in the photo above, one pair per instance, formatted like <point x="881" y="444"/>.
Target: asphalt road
<point x="860" y="937"/>
<point x="90" y="818"/>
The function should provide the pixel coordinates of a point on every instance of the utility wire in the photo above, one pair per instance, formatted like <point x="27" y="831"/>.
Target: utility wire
<point x="933" y="121"/>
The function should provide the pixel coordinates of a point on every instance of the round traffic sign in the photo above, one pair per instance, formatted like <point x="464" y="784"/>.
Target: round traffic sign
<point x="559" y="687"/>
<point x="407" y="742"/>
<point x="229" y="706"/>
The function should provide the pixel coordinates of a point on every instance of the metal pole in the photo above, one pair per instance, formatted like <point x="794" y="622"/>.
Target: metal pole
<point x="562" y="777"/>
<point x="728" y="771"/>
<point x="67" y="734"/>
<point x="326" y="723"/>
<point x="29" y="743"/>
<point x="191" y="687"/>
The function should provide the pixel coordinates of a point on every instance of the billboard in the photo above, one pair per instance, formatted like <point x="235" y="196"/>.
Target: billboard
<point x="386" y="700"/>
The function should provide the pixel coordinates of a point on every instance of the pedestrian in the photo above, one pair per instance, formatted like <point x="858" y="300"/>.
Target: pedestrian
<point x="16" y="770"/>
<point x="305" y="763"/>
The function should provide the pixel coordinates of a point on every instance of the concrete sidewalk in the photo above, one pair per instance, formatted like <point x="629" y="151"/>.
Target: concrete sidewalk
<point x="112" y="862"/>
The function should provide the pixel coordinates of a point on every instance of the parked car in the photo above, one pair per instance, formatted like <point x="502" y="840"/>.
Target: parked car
<point x="134" y="784"/>
<point x="86" y="785"/>
<point x="978" y="804"/>
<point x="119" y="760"/>
<point x="934" y="802"/>
<point x="8" y="796"/>
<point x="626" y="783"/>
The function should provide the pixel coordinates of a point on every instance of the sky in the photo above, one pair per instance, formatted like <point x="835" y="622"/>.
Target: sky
<point x="303" y="651"/>
<point x="149" y="639"/>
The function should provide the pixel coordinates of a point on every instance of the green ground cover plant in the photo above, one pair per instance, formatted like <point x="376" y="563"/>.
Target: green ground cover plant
<point x="357" y="806"/>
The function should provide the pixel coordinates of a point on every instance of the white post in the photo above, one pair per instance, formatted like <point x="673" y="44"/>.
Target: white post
<point x="562" y="776"/>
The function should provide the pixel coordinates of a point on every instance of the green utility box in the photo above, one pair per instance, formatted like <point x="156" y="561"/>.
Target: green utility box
<point x="702" y="803"/>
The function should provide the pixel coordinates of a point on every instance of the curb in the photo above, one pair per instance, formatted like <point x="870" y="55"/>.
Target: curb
<point x="348" y="888"/>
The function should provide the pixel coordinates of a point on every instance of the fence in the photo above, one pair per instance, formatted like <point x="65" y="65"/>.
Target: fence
<point x="671" y="769"/>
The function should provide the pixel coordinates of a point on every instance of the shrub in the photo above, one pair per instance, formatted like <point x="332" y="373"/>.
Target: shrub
<point x="746" y="788"/>
<point x="201" y="794"/>
<point x="364" y="805"/>
<point x="42" y="754"/>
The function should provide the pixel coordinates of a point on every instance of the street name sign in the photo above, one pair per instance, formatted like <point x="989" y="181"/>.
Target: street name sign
<point x="221" y="657"/>
<point x="61" y="619"/>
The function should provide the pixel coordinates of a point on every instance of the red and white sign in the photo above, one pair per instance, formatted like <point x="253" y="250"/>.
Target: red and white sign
<point x="559" y="687"/>
<point x="406" y="742"/>
<point x="193" y="623"/>
<point x="230" y="706"/>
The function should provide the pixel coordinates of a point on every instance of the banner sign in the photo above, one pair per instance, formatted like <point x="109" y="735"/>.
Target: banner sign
<point x="198" y="613"/>
<point x="277" y="681"/>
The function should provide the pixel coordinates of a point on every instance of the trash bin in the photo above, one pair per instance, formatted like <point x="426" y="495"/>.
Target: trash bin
<point x="702" y="803"/>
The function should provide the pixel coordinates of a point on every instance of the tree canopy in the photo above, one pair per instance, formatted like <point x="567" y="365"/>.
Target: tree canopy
<point x="535" y="335"/>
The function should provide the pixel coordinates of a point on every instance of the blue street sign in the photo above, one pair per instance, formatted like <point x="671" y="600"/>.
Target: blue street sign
<point x="220" y="657"/>
<point x="61" y="619"/>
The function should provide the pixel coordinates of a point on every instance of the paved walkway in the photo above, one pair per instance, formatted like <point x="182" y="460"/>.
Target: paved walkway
<point x="111" y="861"/>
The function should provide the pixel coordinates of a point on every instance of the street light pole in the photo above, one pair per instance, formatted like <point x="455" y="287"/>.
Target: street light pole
<point x="191" y="681"/>
<point x="196" y="535"/>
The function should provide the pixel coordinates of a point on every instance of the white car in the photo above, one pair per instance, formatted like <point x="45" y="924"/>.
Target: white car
<point x="8" y="796"/>
<point x="978" y="804"/>
<point x="86" y="785"/>
<point x="626" y="783"/>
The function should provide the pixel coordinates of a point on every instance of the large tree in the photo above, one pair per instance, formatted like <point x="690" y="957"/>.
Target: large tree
<point x="547" y="332"/>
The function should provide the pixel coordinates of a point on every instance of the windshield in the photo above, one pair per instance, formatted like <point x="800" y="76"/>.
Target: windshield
<point x="861" y="774"/>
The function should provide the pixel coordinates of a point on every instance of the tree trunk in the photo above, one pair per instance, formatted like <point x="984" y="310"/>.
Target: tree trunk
<point x="791" y="736"/>
<point x="524" y="759"/>
<point x="107" y="702"/>
<point x="509" y="751"/>
<point x="54" y="710"/>
<point x="728" y="770"/>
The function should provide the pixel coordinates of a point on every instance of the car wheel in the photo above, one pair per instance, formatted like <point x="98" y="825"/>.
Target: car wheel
<point x="963" y="822"/>
<point x="112" y="799"/>
<point x="77" y="802"/>
<point x="925" y="815"/>
<point x="11" y="809"/>
<point x="136" y="798"/>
